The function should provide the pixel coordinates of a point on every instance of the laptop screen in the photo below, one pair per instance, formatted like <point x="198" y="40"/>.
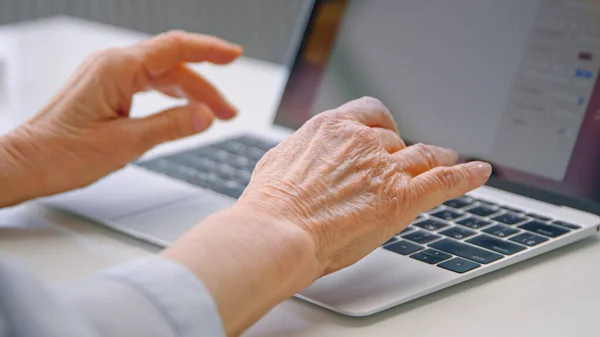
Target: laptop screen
<point x="513" y="82"/>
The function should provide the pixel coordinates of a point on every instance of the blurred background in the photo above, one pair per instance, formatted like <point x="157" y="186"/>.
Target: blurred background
<point x="264" y="27"/>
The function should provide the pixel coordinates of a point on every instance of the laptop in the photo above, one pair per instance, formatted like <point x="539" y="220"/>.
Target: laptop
<point x="510" y="82"/>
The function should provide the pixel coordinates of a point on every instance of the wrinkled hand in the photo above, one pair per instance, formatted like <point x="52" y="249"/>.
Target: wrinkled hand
<point x="348" y="180"/>
<point x="85" y="132"/>
<point x="321" y="200"/>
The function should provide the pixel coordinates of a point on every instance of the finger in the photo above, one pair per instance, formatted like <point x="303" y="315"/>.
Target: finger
<point x="389" y="140"/>
<point x="443" y="183"/>
<point x="419" y="158"/>
<point x="171" y="124"/>
<point x="167" y="50"/>
<point x="182" y="80"/>
<point x="172" y="91"/>
<point x="368" y="111"/>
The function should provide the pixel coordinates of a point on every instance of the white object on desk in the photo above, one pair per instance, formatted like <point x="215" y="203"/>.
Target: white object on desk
<point x="555" y="294"/>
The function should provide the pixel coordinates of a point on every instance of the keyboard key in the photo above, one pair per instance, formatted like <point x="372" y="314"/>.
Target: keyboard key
<point x="483" y="210"/>
<point x="447" y="214"/>
<point x="238" y="162"/>
<point x="232" y="146"/>
<point x="566" y="224"/>
<point x="421" y="237"/>
<point x="221" y="156"/>
<point x="466" y="251"/>
<point x="512" y="209"/>
<point x="459" y="202"/>
<point x="262" y="144"/>
<point x="501" y="231"/>
<point x="392" y="240"/>
<point x="254" y="153"/>
<point x="250" y="166"/>
<point x="403" y="247"/>
<point x="242" y="177"/>
<point x="473" y="222"/>
<point x="225" y="171"/>
<point x="431" y="224"/>
<point x="406" y="230"/>
<point x="165" y="167"/>
<point x="214" y="154"/>
<point x="544" y="229"/>
<point x="539" y="217"/>
<point x="229" y="188"/>
<point x="219" y="167"/>
<point x="528" y="239"/>
<point x="459" y="265"/>
<point x="495" y="244"/>
<point x="431" y="256"/>
<point x="508" y="218"/>
<point x="203" y="152"/>
<point x="457" y="232"/>
<point x="178" y="171"/>
<point x="198" y="163"/>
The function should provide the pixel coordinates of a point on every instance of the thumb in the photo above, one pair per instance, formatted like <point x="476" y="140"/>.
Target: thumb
<point x="174" y="123"/>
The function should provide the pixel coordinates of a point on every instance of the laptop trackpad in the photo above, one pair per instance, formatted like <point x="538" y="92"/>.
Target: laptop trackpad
<point x="162" y="225"/>
<point x="124" y="192"/>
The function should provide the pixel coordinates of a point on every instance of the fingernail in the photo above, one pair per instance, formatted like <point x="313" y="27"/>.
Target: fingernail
<point x="480" y="168"/>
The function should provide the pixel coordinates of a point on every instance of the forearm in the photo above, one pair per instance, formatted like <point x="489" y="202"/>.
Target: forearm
<point x="18" y="182"/>
<point x="249" y="262"/>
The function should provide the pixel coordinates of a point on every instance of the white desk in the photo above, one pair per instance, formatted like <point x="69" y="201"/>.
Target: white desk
<point x="553" y="295"/>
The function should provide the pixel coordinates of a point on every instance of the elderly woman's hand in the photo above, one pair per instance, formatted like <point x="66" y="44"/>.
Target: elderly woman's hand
<point x="324" y="198"/>
<point x="85" y="132"/>
<point x="347" y="179"/>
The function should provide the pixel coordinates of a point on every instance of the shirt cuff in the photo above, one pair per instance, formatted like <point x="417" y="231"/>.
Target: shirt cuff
<point x="180" y="296"/>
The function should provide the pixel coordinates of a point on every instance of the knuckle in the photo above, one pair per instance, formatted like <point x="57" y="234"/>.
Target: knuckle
<point x="172" y="127"/>
<point x="326" y="118"/>
<point x="113" y="57"/>
<point x="175" y="34"/>
<point x="376" y="104"/>
<point x="424" y="151"/>
<point x="321" y="118"/>
<point x="415" y="192"/>
<point x="173" y="39"/>
<point x="363" y="135"/>
<point x="449" y="178"/>
<point x="372" y="101"/>
<point x="102" y="57"/>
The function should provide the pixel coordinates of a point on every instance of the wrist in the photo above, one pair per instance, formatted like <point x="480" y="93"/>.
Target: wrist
<point x="249" y="261"/>
<point x="18" y="179"/>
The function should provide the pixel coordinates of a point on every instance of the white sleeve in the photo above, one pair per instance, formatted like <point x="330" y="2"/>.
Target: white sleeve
<point x="146" y="297"/>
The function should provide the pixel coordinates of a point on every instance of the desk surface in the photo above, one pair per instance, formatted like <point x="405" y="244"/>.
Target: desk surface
<point x="556" y="294"/>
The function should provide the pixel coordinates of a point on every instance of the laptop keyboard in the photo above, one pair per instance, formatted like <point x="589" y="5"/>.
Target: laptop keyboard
<point x="224" y="167"/>
<point x="460" y="235"/>
<point x="465" y="233"/>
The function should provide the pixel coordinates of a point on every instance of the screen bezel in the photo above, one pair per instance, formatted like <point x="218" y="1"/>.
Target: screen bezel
<point x="519" y="188"/>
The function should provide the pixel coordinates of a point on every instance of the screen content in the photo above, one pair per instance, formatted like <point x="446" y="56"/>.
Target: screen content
<point x="513" y="82"/>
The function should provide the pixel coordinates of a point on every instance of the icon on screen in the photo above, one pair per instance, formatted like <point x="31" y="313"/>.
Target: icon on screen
<point x="586" y="56"/>
<point x="583" y="73"/>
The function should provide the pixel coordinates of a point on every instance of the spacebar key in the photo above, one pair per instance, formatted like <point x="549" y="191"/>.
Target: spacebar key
<point x="466" y="251"/>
